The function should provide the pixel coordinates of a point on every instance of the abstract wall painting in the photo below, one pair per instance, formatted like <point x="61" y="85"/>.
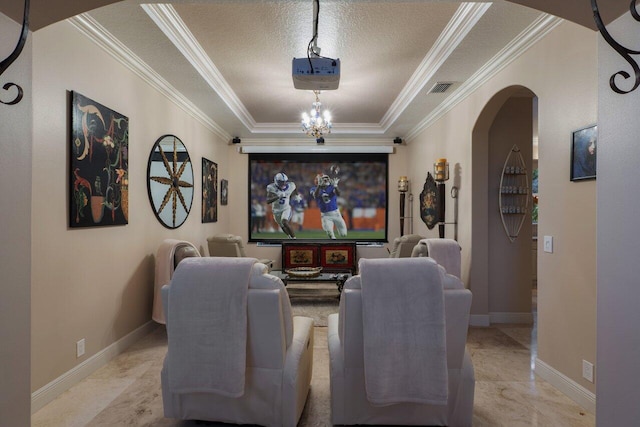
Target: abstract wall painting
<point x="99" y="174"/>
<point x="209" y="191"/>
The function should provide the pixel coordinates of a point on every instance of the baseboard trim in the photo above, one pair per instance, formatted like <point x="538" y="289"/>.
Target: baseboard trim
<point x="520" y="318"/>
<point x="566" y="385"/>
<point x="64" y="382"/>
<point x="479" y="320"/>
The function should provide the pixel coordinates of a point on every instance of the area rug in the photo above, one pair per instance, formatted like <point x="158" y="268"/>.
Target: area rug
<point x="317" y="303"/>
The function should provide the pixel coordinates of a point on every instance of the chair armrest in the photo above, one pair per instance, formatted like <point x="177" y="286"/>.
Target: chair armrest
<point x="336" y="369"/>
<point x="297" y="371"/>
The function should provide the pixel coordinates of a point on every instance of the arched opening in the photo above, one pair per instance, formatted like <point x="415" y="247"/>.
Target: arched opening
<point x="502" y="272"/>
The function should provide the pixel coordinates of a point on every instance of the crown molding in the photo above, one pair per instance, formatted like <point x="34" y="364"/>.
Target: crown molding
<point x="114" y="47"/>
<point x="170" y="23"/>
<point x="462" y="22"/>
<point x="527" y="38"/>
<point x="174" y="28"/>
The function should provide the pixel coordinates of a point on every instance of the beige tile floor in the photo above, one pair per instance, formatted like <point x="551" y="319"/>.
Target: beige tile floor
<point x="126" y="392"/>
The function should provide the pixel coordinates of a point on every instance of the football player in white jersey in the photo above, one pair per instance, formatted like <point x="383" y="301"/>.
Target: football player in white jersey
<point x="278" y="195"/>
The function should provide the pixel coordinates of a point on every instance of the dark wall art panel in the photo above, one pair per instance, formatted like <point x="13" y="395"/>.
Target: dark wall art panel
<point x="99" y="177"/>
<point x="209" y="191"/>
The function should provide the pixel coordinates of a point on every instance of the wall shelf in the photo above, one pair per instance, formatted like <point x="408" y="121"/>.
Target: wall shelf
<point x="514" y="193"/>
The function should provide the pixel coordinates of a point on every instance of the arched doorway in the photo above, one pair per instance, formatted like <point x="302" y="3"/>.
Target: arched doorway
<point x="501" y="270"/>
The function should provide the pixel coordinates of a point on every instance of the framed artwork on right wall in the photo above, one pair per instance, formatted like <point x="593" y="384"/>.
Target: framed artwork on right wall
<point x="584" y="153"/>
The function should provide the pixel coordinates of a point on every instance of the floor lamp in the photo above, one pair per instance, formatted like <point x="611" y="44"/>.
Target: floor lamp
<point x="441" y="174"/>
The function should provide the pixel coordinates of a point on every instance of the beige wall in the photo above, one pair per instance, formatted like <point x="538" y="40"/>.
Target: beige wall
<point x="562" y="71"/>
<point x="15" y="244"/>
<point x="96" y="283"/>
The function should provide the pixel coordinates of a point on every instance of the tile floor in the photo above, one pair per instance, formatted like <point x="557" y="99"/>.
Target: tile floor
<point x="126" y="392"/>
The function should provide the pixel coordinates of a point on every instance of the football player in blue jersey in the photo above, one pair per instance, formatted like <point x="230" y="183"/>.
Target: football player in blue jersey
<point x="278" y="195"/>
<point x="326" y="194"/>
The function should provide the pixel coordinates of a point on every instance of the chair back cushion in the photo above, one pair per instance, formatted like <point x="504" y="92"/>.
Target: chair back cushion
<point x="260" y="279"/>
<point x="457" y="303"/>
<point x="402" y="246"/>
<point x="226" y="245"/>
<point x="184" y="251"/>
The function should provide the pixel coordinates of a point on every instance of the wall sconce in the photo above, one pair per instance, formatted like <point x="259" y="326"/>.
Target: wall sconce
<point x="441" y="174"/>
<point x="403" y="187"/>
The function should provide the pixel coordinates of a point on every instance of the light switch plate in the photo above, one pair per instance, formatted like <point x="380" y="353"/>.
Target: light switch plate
<point x="548" y="244"/>
<point x="587" y="371"/>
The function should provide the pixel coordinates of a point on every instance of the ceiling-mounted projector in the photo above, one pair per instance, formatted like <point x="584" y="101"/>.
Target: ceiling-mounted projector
<point x="325" y="75"/>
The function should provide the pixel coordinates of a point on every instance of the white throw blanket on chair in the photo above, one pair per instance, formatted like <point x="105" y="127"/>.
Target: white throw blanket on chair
<point x="403" y="331"/>
<point x="207" y="325"/>
<point x="446" y="252"/>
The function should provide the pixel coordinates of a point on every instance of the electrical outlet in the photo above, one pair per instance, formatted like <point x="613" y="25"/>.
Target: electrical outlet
<point x="80" y="348"/>
<point x="587" y="371"/>
<point x="548" y="244"/>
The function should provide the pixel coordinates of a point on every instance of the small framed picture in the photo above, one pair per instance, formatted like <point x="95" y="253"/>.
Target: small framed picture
<point x="224" y="192"/>
<point x="299" y="255"/>
<point x="209" y="191"/>
<point x="584" y="153"/>
<point x="340" y="257"/>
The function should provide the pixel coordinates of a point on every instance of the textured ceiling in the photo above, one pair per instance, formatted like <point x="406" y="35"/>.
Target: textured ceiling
<point x="229" y="62"/>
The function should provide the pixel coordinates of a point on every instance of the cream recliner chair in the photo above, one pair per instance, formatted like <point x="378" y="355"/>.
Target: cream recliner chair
<point x="229" y="245"/>
<point x="366" y="352"/>
<point x="445" y="252"/>
<point x="402" y="246"/>
<point x="169" y="255"/>
<point x="235" y="353"/>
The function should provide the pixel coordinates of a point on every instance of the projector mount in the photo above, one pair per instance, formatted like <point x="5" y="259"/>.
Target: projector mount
<point x="315" y="72"/>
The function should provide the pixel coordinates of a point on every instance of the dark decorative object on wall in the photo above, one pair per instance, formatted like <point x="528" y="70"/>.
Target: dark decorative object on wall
<point x="224" y="192"/>
<point x="6" y="63"/>
<point x="99" y="178"/>
<point x="429" y="202"/>
<point x="584" y="153"/>
<point x="209" y="191"/>
<point x="623" y="51"/>
<point x="170" y="181"/>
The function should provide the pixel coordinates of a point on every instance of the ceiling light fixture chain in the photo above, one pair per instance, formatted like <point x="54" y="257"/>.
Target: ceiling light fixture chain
<point x="14" y="55"/>
<point x="623" y="51"/>
<point x="317" y="122"/>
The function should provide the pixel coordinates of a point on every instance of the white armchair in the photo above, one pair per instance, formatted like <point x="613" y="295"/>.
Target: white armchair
<point x="445" y="252"/>
<point x="169" y="255"/>
<point x="229" y="245"/>
<point x="402" y="246"/>
<point x="272" y="367"/>
<point x="347" y="338"/>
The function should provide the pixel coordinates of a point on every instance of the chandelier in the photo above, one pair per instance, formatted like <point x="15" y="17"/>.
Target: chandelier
<point x="316" y="123"/>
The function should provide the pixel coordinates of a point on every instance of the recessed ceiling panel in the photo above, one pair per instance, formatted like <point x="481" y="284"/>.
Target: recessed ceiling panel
<point x="380" y="45"/>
